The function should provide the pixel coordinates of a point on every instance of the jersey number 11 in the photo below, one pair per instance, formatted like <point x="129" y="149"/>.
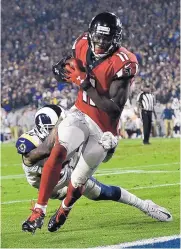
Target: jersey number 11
<point x="86" y="98"/>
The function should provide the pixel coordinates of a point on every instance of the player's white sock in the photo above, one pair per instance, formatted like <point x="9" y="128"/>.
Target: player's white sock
<point x="65" y="207"/>
<point x="43" y="207"/>
<point x="130" y="199"/>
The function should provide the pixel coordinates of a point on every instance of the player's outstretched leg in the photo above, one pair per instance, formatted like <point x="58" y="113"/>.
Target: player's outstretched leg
<point x="50" y="177"/>
<point x="59" y="218"/>
<point x="97" y="191"/>
<point x="34" y="221"/>
<point x="156" y="211"/>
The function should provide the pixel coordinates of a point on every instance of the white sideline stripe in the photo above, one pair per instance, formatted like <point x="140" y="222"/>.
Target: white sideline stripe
<point x="132" y="167"/>
<point x="137" y="172"/>
<point x="119" y="172"/>
<point x="156" y="186"/>
<point x="144" y="187"/>
<point x="18" y="201"/>
<point x="12" y="177"/>
<point x="139" y="242"/>
<point x="142" y="166"/>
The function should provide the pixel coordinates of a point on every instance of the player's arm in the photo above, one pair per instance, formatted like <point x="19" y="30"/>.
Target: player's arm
<point x="154" y="112"/>
<point x="120" y="87"/>
<point x="105" y="104"/>
<point x="25" y="143"/>
<point x="81" y="78"/>
<point x="119" y="91"/>
<point x="42" y="151"/>
<point x="138" y="107"/>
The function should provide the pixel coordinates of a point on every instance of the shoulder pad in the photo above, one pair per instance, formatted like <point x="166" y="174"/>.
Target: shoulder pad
<point x="129" y="70"/>
<point x="125" y="55"/>
<point x="80" y="38"/>
<point x="80" y="42"/>
<point x="125" y="64"/>
<point x="121" y="58"/>
<point x="27" y="142"/>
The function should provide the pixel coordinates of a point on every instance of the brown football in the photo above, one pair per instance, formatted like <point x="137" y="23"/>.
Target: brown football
<point x="73" y="62"/>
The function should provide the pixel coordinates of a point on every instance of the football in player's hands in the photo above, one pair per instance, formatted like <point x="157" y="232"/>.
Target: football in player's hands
<point x="75" y="63"/>
<point x="59" y="69"/>
<point x="75" y="71"/>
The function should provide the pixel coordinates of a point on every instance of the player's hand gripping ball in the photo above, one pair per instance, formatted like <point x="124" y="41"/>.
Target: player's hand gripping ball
<point x="75" y="71"/>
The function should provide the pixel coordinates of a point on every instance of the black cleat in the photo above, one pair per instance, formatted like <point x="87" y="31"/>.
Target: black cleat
<point x="146" y="143"/>
<point x="58" y="219"/>
<point x="34" y="221"/>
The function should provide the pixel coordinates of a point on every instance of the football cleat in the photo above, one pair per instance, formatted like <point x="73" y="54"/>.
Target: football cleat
<point x="34" y="221"/>
<point x="157" y="212"/>
<point x="58" y="219"/>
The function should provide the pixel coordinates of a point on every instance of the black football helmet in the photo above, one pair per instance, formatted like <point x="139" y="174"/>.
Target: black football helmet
<point x="104" y="34"/>
<point x="45" y="119"/>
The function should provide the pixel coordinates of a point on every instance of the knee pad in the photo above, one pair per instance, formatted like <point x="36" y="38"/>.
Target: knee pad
<point x="78" y="181"/>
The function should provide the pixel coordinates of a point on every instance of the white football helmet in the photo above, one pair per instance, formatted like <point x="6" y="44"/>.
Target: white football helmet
<point x="46" y="118"/>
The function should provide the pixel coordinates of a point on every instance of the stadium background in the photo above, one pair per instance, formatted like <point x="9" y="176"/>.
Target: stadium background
<point x="35" y="35"/>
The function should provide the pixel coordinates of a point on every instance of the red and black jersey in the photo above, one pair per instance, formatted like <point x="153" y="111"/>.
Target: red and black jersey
<point x="103" y="71"/>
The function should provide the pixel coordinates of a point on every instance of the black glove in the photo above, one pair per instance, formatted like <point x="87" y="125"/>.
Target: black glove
<point x="59" y="70"/>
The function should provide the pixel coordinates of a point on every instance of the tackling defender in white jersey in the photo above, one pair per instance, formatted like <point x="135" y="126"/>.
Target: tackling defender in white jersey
<point x="45" y="120"/>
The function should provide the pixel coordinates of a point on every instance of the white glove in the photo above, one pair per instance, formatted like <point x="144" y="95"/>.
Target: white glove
<point x="108" y="140"/>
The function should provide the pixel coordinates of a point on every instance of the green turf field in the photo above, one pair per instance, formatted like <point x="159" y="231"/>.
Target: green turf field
<point x="150" y="172"/>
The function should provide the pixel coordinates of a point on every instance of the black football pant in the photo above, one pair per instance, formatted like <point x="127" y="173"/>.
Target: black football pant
<point x="147" y="120"/>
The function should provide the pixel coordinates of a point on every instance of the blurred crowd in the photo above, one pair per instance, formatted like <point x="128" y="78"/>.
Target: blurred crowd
<point x="38" y="33"/>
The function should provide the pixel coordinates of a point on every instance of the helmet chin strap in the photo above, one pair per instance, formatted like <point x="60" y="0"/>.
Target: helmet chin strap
<point x="100" y="56"/>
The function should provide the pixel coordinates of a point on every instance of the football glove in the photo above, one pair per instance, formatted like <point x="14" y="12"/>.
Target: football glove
<point x="108" y="140"/>
<point x="59" y="70"/>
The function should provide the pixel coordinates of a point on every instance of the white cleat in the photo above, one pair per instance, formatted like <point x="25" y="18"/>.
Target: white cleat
<point x="157" y="212"/>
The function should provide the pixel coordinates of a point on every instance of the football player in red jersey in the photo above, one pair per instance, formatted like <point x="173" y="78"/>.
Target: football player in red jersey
<point x="104" y="89"/>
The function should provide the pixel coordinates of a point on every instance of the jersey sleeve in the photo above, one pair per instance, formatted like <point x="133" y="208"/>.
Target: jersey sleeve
<point x="25" y="144"/>
<point x="78" y="44"/>
<point x="125" y="64"/>
<point x="128" y="70"/>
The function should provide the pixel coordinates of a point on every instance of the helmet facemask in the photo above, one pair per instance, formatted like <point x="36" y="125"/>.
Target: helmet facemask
<point x="103" y="36"/>
<point x="45" y="120"/>
<point x="100" y="44"/>
<point x="42" y="129"/>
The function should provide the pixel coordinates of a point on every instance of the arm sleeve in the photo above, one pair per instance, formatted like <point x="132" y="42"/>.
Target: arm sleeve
<point x="25" y="144"/>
